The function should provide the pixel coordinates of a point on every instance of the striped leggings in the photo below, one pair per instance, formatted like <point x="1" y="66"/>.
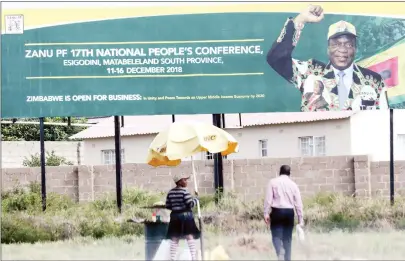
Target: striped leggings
<point x="174" y="244"/>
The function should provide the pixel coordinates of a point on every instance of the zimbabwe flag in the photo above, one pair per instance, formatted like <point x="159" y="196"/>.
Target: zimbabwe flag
<point x="390" y="64"/>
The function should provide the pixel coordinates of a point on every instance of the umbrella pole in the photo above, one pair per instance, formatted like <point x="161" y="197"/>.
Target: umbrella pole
<point x="198" y="210"/>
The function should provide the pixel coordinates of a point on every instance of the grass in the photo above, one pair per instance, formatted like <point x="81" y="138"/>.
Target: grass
<point x="24" y="222"/>
<point x="333" y="245"/>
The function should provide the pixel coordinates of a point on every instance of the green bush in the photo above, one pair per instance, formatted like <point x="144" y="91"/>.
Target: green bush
<point x="400" y="223"/>
<point x="105" y="226"/>
<point x="51" y="159"/>
<point x="19" y="200"/>
<point x="16" y="230"/>
<point x="30" y="200"/>
<point x="140" y="197"/>
<point x="24" y="221"/>
<point x="131" y="197"/>
<point x="104" y="204"/>
<point x="206" y="200"/>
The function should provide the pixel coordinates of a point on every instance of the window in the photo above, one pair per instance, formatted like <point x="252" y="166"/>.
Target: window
<point x="263" y="148"/>
<point x="108" y="157"/>
<point x="312" y="146"/>
<point x="399" y="146"/>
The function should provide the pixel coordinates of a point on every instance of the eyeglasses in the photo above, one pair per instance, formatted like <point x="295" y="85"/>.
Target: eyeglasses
<point x="336" y="45"/>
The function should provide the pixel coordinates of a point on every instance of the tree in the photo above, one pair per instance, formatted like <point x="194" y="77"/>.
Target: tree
<point x="30" y="132"/>
<point x="378" y="33"/>
<point x="51" y="159"/>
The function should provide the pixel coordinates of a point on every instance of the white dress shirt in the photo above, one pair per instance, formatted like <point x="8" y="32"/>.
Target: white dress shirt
<point x="282" y="192"/>
<point x="347" y="79"/>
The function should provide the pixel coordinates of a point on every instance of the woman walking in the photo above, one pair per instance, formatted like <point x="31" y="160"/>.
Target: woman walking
<point x="182" y="224"/>
<point x="282" y="197"/>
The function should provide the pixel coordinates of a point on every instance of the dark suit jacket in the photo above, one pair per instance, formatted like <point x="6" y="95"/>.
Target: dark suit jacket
<point x="319" y="104"/>
<point x="368" y="88"/>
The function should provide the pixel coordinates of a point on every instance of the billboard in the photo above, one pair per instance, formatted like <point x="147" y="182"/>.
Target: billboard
<point x="183" y="58"/>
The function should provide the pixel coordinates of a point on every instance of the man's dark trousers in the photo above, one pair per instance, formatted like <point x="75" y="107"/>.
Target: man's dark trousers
<point x="282" y="226"/>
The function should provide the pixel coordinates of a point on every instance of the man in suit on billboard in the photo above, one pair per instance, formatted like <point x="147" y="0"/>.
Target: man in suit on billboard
<point x="347" y="86"/>
<point x="315" y="99"/>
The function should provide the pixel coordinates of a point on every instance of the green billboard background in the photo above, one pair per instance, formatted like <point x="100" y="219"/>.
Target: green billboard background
<point x="35" y="86"/>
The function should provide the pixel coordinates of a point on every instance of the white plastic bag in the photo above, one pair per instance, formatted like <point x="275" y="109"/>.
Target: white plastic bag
<point x="300" y="234"/>
<point x="163" y="252"/>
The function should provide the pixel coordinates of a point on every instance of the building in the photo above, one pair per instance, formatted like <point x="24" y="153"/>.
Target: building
<point x="13" y="153"/>
<point x="273" y="135"/>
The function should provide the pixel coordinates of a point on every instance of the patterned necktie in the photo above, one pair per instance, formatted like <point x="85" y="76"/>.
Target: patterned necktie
<point x="342" y="90"/>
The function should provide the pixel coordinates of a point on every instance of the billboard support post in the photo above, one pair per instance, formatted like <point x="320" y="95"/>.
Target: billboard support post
<point x="42" y="157"/>
<point x="218" y="166"/>
<point x="118" y="167"/>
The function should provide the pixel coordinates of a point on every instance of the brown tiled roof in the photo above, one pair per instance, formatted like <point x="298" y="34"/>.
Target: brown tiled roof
<point x="142" y="125"/>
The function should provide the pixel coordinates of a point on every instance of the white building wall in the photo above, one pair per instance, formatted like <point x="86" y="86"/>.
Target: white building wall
<point x="13" y="153"/>
<point x="282" y="141"/>
<point x="370" y="131"/>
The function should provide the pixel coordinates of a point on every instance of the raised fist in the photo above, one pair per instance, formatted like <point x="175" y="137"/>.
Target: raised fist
<point x="312" y="14"/>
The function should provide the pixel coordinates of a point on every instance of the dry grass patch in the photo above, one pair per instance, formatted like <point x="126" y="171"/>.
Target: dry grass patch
<point x="334" y="245"/>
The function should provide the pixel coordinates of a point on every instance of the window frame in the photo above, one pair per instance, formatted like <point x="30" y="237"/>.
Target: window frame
<point x="263" y="148"/>
<point x="111" y="156"/>
<point x="313" y="143"/>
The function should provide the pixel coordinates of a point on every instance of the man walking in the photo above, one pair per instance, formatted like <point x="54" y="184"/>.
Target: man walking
<point x="348" y="86"/>
<point x="282" y="197"/>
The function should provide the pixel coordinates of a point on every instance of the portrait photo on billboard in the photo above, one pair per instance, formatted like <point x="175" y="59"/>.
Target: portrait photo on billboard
<point x="339" y="83"/>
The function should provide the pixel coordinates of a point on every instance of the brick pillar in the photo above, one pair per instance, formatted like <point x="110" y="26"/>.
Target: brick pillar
<point x="86" y="183"/>
<point x="362" y="176"/>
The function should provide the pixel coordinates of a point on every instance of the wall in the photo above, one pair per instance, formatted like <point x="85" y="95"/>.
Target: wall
<point x="62" y="179"/>
<point x="370" y="132"/>
<point x="14" y="152"/>
<point x="135" y="148"/>
<point x="247" y="177"/>
<point x="378" y="178"/>
<point x="282" y="141"/>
